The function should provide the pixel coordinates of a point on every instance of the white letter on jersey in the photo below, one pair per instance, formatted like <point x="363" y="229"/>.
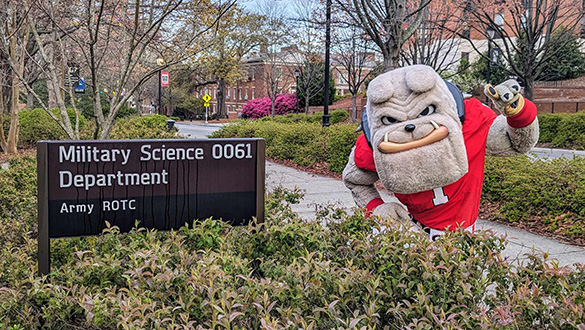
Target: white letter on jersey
<point x="440" y="197"/>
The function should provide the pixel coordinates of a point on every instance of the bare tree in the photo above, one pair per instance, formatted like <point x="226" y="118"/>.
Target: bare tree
<point x="388" y="23"/>
<point x="274" y="71"/>
<point x="15" y="33"/>
<point x="435" y="40"/>
<point x="118" y="43"/>
<point x="353" y="61"/>
<point x="524" y="31"/>
<point x="308" y="36"/>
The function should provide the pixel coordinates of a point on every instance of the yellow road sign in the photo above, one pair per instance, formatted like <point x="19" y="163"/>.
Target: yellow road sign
<point x="206" y="98"/>
<point x="206" y="104"/>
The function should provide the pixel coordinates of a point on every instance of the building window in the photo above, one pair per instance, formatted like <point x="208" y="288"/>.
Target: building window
<point x="253" y="92"/>
<point x="228" y="93"/>
<point x="465" y="57"/>
<point x="246" y="93"/>
<point x="240" y="94"/>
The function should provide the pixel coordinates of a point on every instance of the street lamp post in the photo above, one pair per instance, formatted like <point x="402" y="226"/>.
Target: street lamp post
<point x="327" y="46"/>
<point x="490" y="32"/>
<point x="160" y="62"/>
<point x="297" y="75"/>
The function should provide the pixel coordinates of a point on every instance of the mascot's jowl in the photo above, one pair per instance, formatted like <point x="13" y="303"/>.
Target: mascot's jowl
<point x="427" y="146"/>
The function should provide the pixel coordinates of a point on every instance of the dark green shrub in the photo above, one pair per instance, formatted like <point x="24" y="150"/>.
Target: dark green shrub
<point x="570" y="132"/>
<point x="341" y="140"/>
<point x="527" y="188"/>
<point x="126" y="111"/>
<point x="145" y="127"/>
<point x="338" y="116"/>
<point x="563" y="130"/>
<point x="548" y="125"/>
<point x="36" y="124"/>
<point x="302" y="142"/>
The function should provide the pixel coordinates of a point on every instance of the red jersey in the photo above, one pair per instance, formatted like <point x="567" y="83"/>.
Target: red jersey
<point x="456" y="204"/>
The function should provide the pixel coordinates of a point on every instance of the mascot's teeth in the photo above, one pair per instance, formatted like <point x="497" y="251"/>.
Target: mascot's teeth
<point x="435" y="125"/>
<point x="386" y="137"/>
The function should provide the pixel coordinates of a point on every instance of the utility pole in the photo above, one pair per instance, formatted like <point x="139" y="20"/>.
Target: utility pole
<point x="327" y="50"/>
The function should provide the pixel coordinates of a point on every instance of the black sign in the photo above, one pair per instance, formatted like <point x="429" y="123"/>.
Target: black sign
<point x="163" y="184"/>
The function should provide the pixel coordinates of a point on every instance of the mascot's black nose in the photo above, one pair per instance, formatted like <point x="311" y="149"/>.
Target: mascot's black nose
<point x="409" y="127"/>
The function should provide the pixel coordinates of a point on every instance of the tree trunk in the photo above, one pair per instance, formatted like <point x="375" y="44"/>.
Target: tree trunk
<point x="30" y="100"/>
<point x="306" y="104"/>
<point x="221" y="99"/>
<point x="529" y="88"/>
<point x="12" y="140"/>
<point x="272" y="106"/>
<point x="353" y="108"/>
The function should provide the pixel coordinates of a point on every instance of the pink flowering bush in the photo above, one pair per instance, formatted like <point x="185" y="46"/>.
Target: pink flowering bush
<point x="261" y="107"/>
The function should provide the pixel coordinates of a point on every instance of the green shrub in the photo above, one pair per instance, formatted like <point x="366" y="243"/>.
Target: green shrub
<point x="553" y="190"/>
<point x="570" y="132"/>
<point x="36" y="124"/>
<point x="338" y="116"/>
<point x="341" y="140"/>
<point x="284" y="273"/>
<point x="563" y="130"/>
<point x="145" y="127"/>
<point x="303" y="142"/>
<point x="548" y="125"/>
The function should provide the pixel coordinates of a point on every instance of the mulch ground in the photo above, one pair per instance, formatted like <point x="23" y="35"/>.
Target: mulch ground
<point x="21" y="153"/>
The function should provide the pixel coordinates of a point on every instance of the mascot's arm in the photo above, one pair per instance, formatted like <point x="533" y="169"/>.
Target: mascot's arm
<point x="514" y="132"/>
<point x="361" y="183"/>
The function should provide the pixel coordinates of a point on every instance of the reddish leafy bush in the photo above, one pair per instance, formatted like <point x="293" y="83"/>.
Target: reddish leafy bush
<point x="262" y="107"/>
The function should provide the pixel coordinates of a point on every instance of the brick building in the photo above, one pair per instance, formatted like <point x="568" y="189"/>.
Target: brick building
<point x="264" y="69"/>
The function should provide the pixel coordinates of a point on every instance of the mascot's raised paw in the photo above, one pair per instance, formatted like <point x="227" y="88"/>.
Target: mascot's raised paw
<point x="393" y="211"/>
<point x="506" y="97"/>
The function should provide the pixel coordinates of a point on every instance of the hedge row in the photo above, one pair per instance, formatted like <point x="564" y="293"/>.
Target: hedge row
<point x="549" y="194"/>
<point x="541" y="194"/>
<point x="36" y="125"/>
<point x="304" y="143"/>
<point x="335" y="117"/>
<point x="563" y="130"/>
<point x="284" y="274"/>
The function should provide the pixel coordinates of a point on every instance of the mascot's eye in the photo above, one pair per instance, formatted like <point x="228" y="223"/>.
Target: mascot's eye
<point x="388" y="120"/>
<point x="428" y="110"/>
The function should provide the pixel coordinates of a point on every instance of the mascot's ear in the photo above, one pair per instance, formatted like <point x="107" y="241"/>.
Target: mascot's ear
<point x="457" y="95"/>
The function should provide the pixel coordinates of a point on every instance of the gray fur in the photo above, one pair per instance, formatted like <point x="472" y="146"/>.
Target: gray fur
<point x="360" y="182"/>
<point x="403" y="94"/>
<point x="506" y="141"/>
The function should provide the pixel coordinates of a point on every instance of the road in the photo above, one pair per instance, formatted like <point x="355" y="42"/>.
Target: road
<point x="197" y="130"/>
<point x="550" y="153"/>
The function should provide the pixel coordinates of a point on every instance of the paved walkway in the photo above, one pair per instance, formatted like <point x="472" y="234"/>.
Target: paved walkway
<point x="323" y="190"/>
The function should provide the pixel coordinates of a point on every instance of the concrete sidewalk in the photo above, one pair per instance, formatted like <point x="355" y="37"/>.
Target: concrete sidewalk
<point x="323" y="190"/>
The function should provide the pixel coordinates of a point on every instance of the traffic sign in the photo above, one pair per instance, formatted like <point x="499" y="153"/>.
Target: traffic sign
<point x="79" y="87"/>
<point x="206" y="104"/>
<point x="206" y="98"/>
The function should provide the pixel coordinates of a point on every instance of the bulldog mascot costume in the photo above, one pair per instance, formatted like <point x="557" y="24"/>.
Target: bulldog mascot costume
<point x="427" y="146"/>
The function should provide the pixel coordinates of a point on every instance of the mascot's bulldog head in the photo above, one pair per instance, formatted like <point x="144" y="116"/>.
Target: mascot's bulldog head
<point x="415" y="130"/>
